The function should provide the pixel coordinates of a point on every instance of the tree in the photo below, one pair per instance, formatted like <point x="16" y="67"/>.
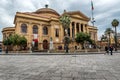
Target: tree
<point x="15" y="40"/>
<point x="104" y="38"/>
<point x="108" y="32"/>
<point x="67" y="40"/>
<point x="7" y="42"/>
<point x="82" y="37"/>
<point x="65" y="21"/>
<point x="115" y="23"/>
<point x="23" y="42"/>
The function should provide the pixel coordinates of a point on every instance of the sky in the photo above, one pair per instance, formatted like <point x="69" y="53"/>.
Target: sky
<point x="104" y="10"/>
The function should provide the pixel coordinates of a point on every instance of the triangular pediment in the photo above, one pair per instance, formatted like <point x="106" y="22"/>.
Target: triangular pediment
<point x="79" y="15"/>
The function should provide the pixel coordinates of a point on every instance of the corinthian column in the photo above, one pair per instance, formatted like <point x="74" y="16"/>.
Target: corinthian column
<point x="75" y="29"/>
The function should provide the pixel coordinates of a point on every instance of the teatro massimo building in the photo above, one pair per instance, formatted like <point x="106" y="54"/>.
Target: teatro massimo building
<point x="41" y="25"/>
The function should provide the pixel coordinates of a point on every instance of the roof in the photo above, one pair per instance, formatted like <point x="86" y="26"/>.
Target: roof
<point x="46" y="13"/>
<point x="8" y="29"/>
<point x="46" y="10"/>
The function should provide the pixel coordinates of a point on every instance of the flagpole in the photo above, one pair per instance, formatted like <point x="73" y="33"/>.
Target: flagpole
<point x="92" y="18"/>
<point x="92" y="8"/>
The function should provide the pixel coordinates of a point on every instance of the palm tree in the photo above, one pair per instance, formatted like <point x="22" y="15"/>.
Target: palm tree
<point x="108" y="32"/>
<point x="65" y="21"/>
<point x="115" y="23"/>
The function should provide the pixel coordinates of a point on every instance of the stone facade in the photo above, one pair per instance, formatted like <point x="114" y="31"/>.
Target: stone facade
<point x="39" y="26"/>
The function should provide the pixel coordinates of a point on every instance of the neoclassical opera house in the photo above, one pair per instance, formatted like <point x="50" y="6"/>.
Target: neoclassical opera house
<point x="39" y="26"/>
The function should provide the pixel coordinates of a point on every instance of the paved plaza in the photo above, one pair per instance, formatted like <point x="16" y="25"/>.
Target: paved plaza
<point x="60" y="67"/>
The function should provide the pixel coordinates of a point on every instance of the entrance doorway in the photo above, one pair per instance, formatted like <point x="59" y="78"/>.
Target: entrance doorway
<point x="45" y="44"/>
<point x="35" y="44"/>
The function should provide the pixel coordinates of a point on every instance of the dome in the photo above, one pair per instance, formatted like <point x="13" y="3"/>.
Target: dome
<point x="46" y="10"/>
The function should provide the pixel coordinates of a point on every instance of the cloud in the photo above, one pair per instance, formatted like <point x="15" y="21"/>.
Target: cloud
<point x="104" y="10"/>
<point x="6" y="19"/>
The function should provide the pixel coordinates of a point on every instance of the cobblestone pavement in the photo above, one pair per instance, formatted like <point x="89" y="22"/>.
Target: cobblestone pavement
<point x="60" y="67"/>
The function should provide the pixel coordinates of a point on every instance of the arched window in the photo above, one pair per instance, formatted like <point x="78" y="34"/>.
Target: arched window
<point x="45" y="30"/>
<point x="35" y="29"/>
<point x="23" y="28"/>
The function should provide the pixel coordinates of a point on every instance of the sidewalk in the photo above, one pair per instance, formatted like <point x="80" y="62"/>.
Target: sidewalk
<point x="48" y="53"/>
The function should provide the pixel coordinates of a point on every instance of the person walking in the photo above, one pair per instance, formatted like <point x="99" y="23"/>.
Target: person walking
<point x="111" y="50"/>
<point x="106" y="50"/>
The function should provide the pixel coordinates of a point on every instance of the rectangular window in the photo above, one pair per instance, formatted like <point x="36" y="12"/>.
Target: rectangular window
<point x="68" y="31"/>
<point x="81" y="27"/>
<point x="56" y="32"/>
